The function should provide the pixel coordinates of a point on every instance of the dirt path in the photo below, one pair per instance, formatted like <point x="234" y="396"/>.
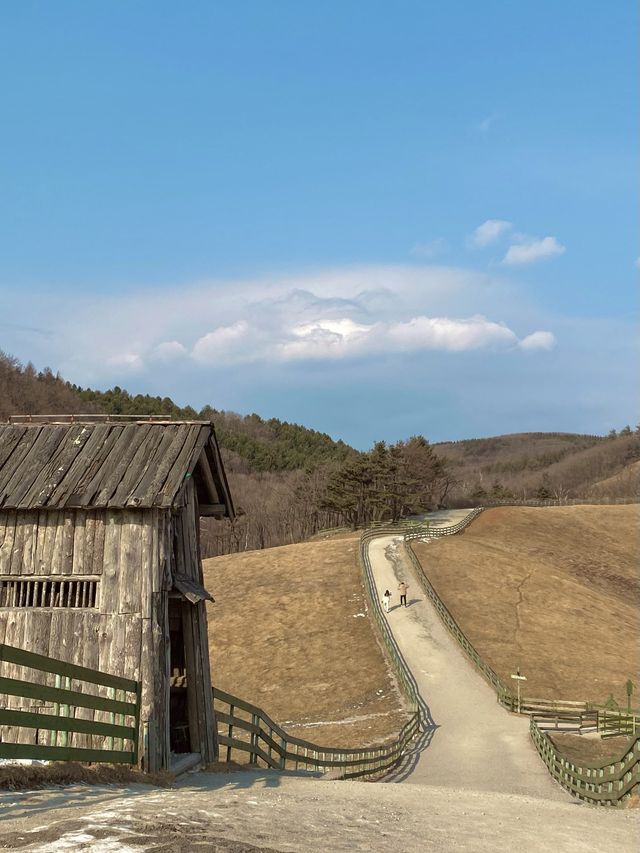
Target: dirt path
<point x="265" y="811"/>
<point x="476" y="744"/>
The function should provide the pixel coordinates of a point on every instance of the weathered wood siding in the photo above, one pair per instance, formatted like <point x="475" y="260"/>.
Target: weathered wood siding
<point x="133" y="555"/>
<point x="51" y="542"/>
<point x="129" y="553"/>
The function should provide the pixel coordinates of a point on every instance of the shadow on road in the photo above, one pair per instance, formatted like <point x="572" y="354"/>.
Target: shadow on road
<point x="409" y="603"/>
<point x="409" y="760"/>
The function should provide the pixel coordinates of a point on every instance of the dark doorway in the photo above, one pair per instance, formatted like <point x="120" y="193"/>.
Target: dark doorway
<point x="179" y="734"/>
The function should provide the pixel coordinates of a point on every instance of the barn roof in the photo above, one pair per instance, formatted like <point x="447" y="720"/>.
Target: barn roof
<point x="61" y="462"/>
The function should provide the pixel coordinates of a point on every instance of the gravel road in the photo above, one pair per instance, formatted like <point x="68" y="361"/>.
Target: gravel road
<point x="266" y="811"/>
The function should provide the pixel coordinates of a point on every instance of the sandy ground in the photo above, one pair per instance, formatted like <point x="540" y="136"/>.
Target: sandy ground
<point x="552" y="590"/>
<point x="265" y="811"/>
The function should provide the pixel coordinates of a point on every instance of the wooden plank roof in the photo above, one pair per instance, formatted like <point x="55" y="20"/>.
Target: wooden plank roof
<point x="107" y="464"/>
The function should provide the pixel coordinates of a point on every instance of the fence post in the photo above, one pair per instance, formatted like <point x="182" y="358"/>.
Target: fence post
<point x="67" y="712"/>
<point x="254" y="741"/>
<point x="230" y="732"/>
<point x="120" y="696"/>
<point x="136" y="733"/>
<point x="111" y="693"/>
<point x="53" y="735"/>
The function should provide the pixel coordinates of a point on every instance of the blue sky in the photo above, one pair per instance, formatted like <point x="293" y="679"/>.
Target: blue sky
<point x="375" y="219"/>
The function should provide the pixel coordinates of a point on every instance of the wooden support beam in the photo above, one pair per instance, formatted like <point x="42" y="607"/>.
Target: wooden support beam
<point x="215" y="510"/>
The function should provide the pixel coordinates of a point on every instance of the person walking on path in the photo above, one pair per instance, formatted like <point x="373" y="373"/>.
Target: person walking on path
<point x="386" y="598"/>
<point x="403" y="587"/>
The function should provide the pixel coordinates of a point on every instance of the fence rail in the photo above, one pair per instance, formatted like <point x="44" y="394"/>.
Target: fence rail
<point x="60" y="721"/>
<point x="606" y="783"/>
<point x="562" y="502"/>
<point x="249" y="729"/>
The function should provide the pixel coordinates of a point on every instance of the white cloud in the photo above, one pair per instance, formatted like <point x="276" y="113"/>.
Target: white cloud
<point x="430" y="249"/>
<point x="344" y="328"/>
<point x="223" y="345"/>
<point x="453" y="335"/>
<point x="538" y="340"/>
<point x="532" y="249"/>
<point x="168" y="351"/>
<point x="490" y="231"/>
<point x="130" y="361"/>
<point x="344" y="339"/>
<point x="324" y="339"/>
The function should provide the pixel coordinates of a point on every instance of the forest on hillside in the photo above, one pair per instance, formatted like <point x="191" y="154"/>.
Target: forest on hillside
<point x="289" y="482"/>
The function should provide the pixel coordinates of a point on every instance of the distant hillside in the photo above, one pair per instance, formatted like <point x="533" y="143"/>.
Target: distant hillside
<point x="271" y="445"/>
<point x="27" y="391"/>
<point x="253" y="443"/>
<point x="544" y="465"/>
<point x="282" y="474"/>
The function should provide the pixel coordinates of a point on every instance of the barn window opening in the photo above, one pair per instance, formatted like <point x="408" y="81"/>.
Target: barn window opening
<point x="47" y="592"/>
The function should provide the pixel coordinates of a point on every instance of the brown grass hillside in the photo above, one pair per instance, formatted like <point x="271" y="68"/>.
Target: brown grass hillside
<point x="553" y="590"/>
<point x="289" y="632"/>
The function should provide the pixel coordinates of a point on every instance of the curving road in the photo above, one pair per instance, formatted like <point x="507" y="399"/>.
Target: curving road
<point x="474" y="743"/>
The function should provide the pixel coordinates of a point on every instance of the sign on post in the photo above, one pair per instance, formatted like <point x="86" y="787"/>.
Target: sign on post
<point x="518" y="678"/>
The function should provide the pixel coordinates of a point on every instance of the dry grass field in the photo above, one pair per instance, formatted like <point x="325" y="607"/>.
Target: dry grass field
<point x="289" y="632"/>
<point x="592" y="749"/>
<point x="553" y="590"/>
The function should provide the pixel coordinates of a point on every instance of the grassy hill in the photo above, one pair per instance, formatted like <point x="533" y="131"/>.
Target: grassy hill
<point x="552" y="590"/>
<point x="289" y="632"/>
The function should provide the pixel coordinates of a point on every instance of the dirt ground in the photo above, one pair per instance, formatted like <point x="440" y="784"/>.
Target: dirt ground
<point x="552" y="590"/>
<point x="263" y="811"/>
<point x="289" y="631"/>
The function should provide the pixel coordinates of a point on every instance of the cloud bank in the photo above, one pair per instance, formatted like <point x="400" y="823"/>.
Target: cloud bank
<point x="331" y="315"/>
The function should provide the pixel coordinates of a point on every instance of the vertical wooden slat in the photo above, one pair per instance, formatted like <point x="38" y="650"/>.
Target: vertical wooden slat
<point x="7" y="535"/>
<point x="15" y="558"/>
<point x="100" y="529"/>
<point x="67" y="521"/>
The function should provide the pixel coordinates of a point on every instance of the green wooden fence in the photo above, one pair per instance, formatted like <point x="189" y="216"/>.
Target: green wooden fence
<point x="248" y="729"/>
<point x="607" y="783"/>
<point x="118" y="734"/>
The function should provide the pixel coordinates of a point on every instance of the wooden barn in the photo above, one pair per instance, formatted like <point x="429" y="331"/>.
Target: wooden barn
<point x="100" y="561"/>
